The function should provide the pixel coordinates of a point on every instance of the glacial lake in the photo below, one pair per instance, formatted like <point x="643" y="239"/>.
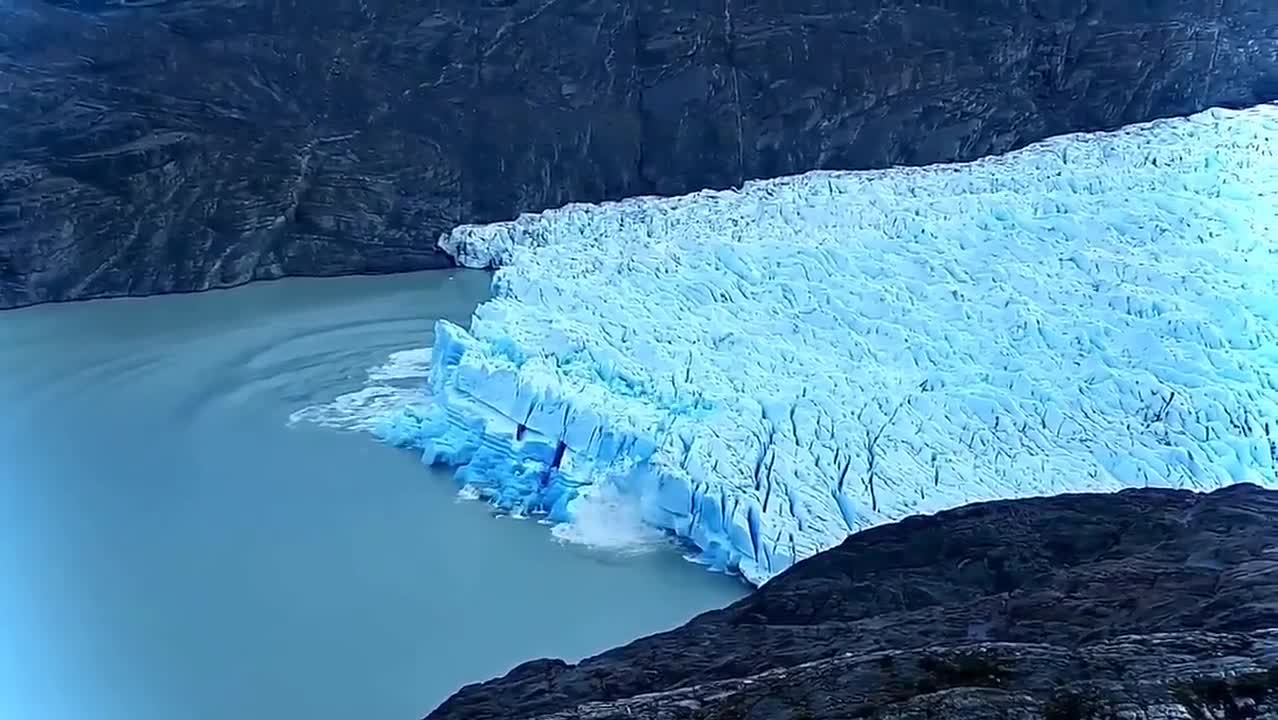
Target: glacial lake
<point x="176" y="543"/>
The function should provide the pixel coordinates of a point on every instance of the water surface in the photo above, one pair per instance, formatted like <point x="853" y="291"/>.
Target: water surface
<point x="171" y="547"/>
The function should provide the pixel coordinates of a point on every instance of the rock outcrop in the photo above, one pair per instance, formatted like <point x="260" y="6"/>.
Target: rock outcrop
<point x="168" y="145"/>
<point x="1143" y="604"/>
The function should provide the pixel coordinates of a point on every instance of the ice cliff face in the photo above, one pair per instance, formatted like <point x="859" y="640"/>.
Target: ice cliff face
<point x="763" y="372"/>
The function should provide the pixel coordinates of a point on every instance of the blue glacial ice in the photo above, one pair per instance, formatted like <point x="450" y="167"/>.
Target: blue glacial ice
<point x="761" y="372"/>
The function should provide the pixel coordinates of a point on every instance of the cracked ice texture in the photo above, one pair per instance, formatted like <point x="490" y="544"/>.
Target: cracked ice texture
<point x="763" y="371"/>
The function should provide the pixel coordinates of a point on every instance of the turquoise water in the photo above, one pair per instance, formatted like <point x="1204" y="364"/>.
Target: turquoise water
<point x="171" y="546"/>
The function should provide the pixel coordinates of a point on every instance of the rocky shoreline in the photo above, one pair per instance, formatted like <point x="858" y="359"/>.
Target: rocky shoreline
<point x="1141" y="604"/>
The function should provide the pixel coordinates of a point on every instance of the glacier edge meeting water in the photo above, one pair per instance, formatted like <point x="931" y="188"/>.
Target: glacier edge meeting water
<point x="760" y="372"/>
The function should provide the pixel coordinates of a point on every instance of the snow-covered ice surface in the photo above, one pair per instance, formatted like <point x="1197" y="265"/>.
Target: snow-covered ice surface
<point x="762" y="371"/>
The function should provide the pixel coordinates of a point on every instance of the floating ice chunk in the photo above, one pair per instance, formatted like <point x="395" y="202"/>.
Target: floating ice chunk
<point x="760" y="372"/>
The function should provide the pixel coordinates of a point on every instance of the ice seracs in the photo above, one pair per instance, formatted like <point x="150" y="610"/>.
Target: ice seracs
<point x="762" y="371"/>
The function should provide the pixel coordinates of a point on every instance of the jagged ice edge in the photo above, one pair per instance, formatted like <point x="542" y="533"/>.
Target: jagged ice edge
<point x="763" y="371"/>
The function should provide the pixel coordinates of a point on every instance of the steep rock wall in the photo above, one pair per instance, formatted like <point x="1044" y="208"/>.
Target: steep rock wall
<point x="152" y="146"/>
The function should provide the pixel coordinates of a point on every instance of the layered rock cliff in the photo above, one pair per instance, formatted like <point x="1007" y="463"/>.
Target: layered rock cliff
<point x="1144" y="604"/>
<point x="166" y="145"/>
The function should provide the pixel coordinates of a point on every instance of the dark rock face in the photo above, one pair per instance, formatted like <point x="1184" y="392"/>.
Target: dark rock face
<point x="166" y="145"/>
<point x="1144" y="604"/>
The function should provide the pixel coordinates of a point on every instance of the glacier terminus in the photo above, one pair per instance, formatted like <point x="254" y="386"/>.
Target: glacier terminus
<point x="759" y="372"/>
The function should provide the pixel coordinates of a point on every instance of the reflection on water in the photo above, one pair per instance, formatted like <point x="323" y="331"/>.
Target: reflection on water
<point x="172" y="547"/>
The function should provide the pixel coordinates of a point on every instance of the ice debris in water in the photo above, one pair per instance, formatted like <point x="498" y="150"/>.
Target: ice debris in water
<point x="760" y="372"/>
<point x="388" y="388"/>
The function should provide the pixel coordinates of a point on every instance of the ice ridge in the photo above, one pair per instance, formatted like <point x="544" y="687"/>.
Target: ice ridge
<point x="761" y="372"/>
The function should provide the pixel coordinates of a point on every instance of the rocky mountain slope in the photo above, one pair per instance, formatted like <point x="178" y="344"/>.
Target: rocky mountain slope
<point x="166" y="145"/>
<point x="1144" y="604"/>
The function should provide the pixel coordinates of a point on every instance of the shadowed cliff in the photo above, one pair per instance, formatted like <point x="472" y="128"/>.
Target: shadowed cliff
<point x="166" y="145"/>
<point x="1144" y="604"/>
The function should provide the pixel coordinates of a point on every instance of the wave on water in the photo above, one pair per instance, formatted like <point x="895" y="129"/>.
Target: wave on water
<point x="399" y="382"/>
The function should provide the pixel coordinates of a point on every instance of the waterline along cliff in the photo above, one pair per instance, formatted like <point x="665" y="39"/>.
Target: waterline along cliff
<point x="179" y="144"/>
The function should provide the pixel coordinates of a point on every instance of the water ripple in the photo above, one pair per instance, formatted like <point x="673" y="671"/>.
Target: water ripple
<point x="395" y="384"/>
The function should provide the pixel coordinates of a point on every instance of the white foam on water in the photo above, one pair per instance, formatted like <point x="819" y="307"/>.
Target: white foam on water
<point x="398" y="382"/>
<point x="403" y="365"/>
<point x="605" y="519"/>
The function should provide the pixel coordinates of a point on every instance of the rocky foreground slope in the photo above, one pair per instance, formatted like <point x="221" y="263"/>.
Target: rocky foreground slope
<point x="165" y="145"/>
<point x="1145" y="604"/>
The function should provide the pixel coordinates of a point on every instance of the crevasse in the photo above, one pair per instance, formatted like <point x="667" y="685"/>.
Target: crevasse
<point x="761" y="372"/>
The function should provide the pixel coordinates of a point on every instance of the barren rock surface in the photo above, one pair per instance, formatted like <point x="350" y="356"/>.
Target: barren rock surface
<point x="1143" y="604"/>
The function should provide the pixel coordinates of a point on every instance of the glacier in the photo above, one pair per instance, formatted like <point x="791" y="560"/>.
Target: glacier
<point x="759" y="372"/>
